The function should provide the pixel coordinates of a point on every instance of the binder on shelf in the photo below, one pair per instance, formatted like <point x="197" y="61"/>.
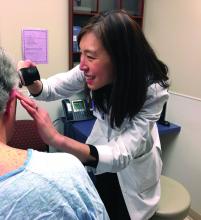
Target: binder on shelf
<point x="76" y="31"/>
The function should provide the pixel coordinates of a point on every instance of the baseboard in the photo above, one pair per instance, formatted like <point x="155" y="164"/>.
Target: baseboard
<point x="194" y="215"/>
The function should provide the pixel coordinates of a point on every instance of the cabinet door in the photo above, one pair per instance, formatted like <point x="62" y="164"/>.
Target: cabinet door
<point x="79" y="20"/>
<point x="134" y="7"/>
<point x="106" y="5"/>
<point x="85" y="6"/>
<point x="82" y="11"/>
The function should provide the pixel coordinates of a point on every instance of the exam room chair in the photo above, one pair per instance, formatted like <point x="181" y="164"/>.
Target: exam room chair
<point x="26" y="136"/>
<point x="175" y="201"/>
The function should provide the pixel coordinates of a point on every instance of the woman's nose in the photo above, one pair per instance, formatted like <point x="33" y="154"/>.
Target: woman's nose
<point x="83" y="65"/>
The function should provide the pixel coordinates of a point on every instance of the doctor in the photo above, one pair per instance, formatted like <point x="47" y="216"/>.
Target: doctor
<point x="128" y="84"/>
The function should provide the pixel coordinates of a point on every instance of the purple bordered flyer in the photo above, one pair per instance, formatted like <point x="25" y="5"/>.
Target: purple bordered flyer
<point x="34" y="45"/>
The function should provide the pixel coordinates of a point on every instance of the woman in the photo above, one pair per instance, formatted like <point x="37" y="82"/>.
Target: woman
<point x="128" y="85"/>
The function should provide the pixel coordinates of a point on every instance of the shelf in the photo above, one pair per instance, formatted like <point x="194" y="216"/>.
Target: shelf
<point x="165" y="129"/>
<point x="81" y="130"/>
<point x="82" y="13"/>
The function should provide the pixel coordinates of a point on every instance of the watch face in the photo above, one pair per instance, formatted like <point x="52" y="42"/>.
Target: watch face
<point x="78" y="105"/>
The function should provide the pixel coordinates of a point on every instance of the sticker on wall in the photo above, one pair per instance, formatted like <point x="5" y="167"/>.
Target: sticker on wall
<point x="34" y="45"/>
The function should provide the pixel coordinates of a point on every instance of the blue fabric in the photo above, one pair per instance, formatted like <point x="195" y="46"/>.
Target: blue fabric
<point x="49" y="186"/>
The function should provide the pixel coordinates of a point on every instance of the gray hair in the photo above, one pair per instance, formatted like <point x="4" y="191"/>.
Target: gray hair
<point x="8" y="79"/>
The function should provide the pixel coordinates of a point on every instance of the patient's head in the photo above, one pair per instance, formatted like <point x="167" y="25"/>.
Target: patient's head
<point x="8" y="80"/>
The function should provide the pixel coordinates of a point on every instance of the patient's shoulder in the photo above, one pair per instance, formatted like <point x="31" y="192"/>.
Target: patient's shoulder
<point x="54" y="162"/>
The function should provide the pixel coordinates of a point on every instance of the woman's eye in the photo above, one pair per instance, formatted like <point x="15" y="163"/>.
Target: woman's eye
<point x="90" y="57"/>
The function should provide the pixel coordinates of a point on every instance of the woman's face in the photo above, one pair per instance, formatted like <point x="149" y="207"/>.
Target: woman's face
<point x="95" y="62"/>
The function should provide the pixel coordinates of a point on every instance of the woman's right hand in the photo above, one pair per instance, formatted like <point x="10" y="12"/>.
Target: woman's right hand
<point x="44" y="125"/>
<point x="37" y="86"/>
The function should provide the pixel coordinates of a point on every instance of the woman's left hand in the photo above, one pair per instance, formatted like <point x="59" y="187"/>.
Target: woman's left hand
<point x="42" y="119"/>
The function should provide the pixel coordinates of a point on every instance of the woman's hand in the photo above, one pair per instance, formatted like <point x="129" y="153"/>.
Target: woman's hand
<point x="50" y="135"/>
<point x="36" y="86"/>
<point x="25" y="64"/>
<point x="42" y="119"/>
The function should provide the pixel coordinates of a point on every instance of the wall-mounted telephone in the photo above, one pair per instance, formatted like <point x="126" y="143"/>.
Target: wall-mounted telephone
<point x="77" y="110"/>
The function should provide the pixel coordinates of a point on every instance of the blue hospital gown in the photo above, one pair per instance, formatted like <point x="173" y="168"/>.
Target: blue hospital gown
<point x="49" y="186"/>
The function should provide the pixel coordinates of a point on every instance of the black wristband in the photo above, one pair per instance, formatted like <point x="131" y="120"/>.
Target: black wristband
<point x="93" y="153"/>
<point x="35" y="95"/>
<point x="29" y="75"/>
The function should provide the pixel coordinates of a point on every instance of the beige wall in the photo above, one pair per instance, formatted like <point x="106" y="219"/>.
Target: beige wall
<point x="47" y="14"/>
<point x="174" y="28"/>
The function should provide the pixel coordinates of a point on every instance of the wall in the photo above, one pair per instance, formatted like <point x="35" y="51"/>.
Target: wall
<point x="51" y="15"/>
<point x="182" y="153"/>
<point x="172" y="28"/>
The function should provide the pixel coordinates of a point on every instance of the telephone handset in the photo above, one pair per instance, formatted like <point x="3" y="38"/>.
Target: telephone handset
<point x="77" y="110"/>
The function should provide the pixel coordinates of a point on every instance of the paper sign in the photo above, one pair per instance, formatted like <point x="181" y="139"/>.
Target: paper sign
<point x="34" y="42"/>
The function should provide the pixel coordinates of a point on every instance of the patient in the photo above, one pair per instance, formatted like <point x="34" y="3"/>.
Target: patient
<point x="38" y="185"/>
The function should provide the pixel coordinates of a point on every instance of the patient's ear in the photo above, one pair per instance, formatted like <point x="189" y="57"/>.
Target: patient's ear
<point x="8" y="108"/>
<point x="9" y="116"/>
<point x="11" y="104"/>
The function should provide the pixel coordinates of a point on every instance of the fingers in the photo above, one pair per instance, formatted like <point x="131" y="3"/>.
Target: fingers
<point x="24" y="64"/>
<point x="18" y="93"/>
<point x="27" y="103"/>
<point x="32" y="110"/>
<point x="20" y="96"/>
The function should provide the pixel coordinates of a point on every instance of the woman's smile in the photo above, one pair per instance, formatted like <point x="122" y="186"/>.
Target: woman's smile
<point x="90" y="79"/>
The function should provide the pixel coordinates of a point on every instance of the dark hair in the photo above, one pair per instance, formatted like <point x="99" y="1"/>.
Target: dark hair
<point x="135" y="65"/>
